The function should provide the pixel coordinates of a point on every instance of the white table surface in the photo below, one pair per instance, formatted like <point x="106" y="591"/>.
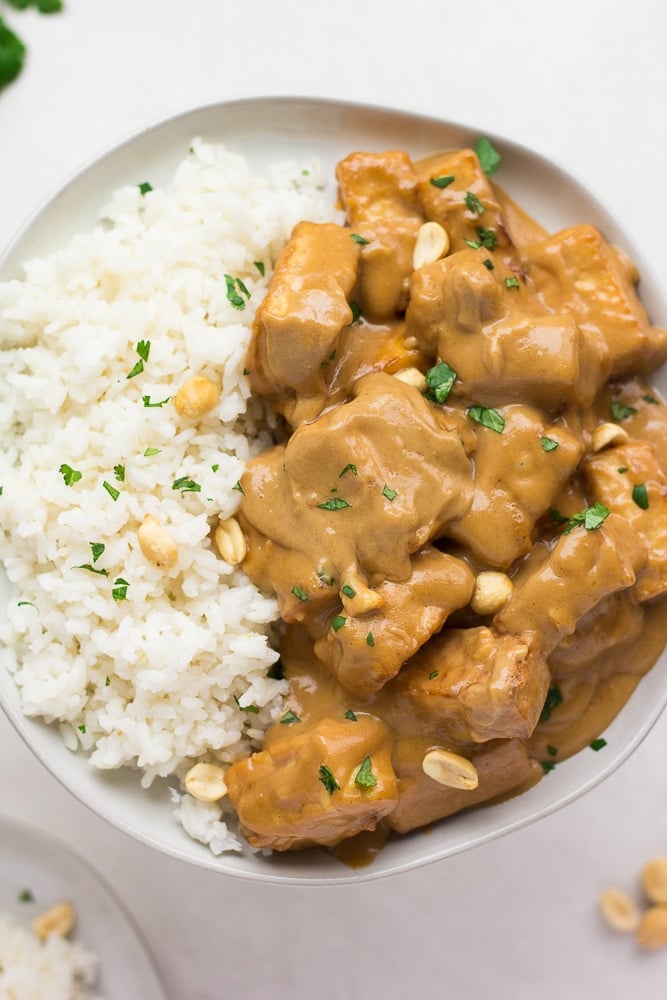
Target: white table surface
<point x="583" y="82"/>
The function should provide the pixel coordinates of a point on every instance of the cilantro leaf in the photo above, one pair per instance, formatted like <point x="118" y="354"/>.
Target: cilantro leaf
<point x="487" y="418"/>
<point x="442" y="182"/>
<point x="440" y="380"/>
<point x="548" y="444"/>
<point x="300" y="593"/>
<point x="553" y="699"/>
<point x="69" y="474"/>
<point x="473" y="204"/>
<point x="489" y="158"/>
<point x="336" y="503"/>
<point x="289" y="717"/>
<point x="12" y="55"/>
<point x="327" y="779"/>
<point x="364" y="777"/>
<point x="619" y="411"/>
<point x="640" y="496"/>
<point x="591" y="518"/>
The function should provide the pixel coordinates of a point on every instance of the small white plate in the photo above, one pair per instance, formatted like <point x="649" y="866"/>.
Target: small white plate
<point x="266" y="130"/>
<point x="34" y="861"/>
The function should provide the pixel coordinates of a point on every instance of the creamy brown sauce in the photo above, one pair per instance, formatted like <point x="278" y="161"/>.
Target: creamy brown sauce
<point x="391" y="493"/>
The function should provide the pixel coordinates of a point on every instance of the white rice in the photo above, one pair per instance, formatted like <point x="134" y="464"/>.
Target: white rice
<point x="158" y="679"/>
<point x="32" y="969"/>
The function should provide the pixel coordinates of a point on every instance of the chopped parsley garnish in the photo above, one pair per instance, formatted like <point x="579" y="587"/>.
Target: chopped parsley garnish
<point x="215" y="467"/>
<point x="389" y="494"/>
<point x="111" y="490"/>
<point x="591" y="518"/>
<point x="92" y="569"/>
<point x="598" y="743"/>
<point x="233" y="296"/>
<point x="300" y="593"/>
<point x="12" y="55"/>
<point x="97" y="548"/>
<point x="237" y="486"/>
<point x="82" y="729"/>
<point x="548" y="765"/>
<point x="356" y="312"/>
<point x="289" y="717"/>
<point x="23" y="604"/>
<point x="370" y="639"/>
<point x="651" y="399"/>
<point x="348" y="468"/>
<point x="350" y="715"/>
<point x="512" y="282"/>
<point x="325" y="576"/>
<point x="1" y="490"/>
<point x="143" y="350"/>
<point x="144" y="187"/>
<point x="338" y="622"/>
<point x="242" y="288"/>
<point x="442" y="182"/>
<point x="548" y="444"/>
<point x="640" y="496"/>
<point x="327" y="779"/>
<point x="557" y="517"/>
<point x="152" y="451"/>
<point x="186" y="485"/>
<point x="26" y="896"/>
<point x="336" y="503"/>
<point x="487" y="238"/>
<point x="361" y="240"/>
<point x="439" y="381"/>
<point x="107" y="682"/>
<point x="69" y="474"/>
<point x="119" y="473"/>
<point x="619" y="411"/>
<point x="487" y="418"/>
<point x="276" y="671"/>
<point x="137" y="370"/>
<point x="251" y="709"/>
<point x="348" y="590"/>
<point x="364" y="777"/>
<point x="622" y="469"/>
<point x="473" y="203"/>
<point x="259" y="264"/>
<point x="553" y="699"/>
<point x="473" y="244"/>
<point x="488" y="264"/>
<point x="147" y="401"/>
<point x="489" y="158"/>
<point x="432" y="676"/>
<point x="552" y="751"/>
<point x="119" y="592"/>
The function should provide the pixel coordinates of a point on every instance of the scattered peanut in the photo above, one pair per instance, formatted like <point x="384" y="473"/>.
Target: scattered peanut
<point x="157" y="546"/>
<point x="412" y="376"/>
<point x="59" y="920"/>
<point x="618" y="910"/>
<point x="451" y="769"/>
<point x="206" y="782"/>
<point x="653" y="877"/>
<point x="196" y="397"/>
<point x="651" y="933"/>
<point x="432" y="244"/>
<point x="605" y="435"/>
<point x="491" y="592"/>
<point x="357" y="596"/>
<point x="230" y="541"/>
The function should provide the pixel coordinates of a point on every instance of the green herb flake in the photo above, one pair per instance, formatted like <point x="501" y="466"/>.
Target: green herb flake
<point x="348" y="590"/>
<point x="439" y="382"/>
<point x="325" y="576"/>
<point x="146" y="400"/>
<point x="137" y="370"/>
<point x="119" y="592"/>
<point x="276" y="671"/>
<point x="512" y="282"/>
<point x="487" y="237"/>
<point x="552" y="751"/>
<point x="107" y="682"/>
<point x="350" y="715"/>
<point x="144" y="188"/>
<point x="352" y="469"/>
<point x="590" y="518"/>
<point x="335" y="503"/>
<point x="82" y="729"/>
<point x="548" y="765"/>
<point x="215" y="467"/>
<point x="598" y="744"/>
<point x="473" y="244"/>
<point x="487" y="418"/>
<point x="25" y="896"/>
<point x="327" y="779"/>
<point x="259" y="264"/>
<point x="619" y="411"/>
<point x="12" y="55"/>
<point x="488" y="264"/>
<point x="152" y="451"/>
<point x="119" y="473"/>
<point x="111" y="490"/>
<point x="651" y="399"/>
<point x="186" y="485"/>
<point x="233" y="296"/>
<point x="432" y="676"/>
<point x="473" y="204"/>
<point x="69" y="474"/>
<point x="92" y="569"/>
<point x="364" y="777"/>
<point x="370" y="639"/>
<point x="444" y="181"/>
<point x="390" y="495"/>
<point x="237" y="486"/>
<point x="143" y="349"/>
<point x="338" y="622"/>
<point x="622" y="469"/>
<point x="557" y="517"/>
<point x="356" y="312"/>
<point x="548" y="444"/>
<point x="289" y="717"/>
<point x="640" y="496"/>
<point x="250" y="709"/>
<point x="488" y="156"/>
<point x="300" y="593"/>
<point x="29" y="604"/>
<point x="97" y="548"/>
<point x="361" y="240"/>
<point x="1" y="490"/>
<point x="553" y="699"/>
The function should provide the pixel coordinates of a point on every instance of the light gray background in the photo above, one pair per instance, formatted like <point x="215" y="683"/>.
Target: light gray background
<point x="583" y="82"/>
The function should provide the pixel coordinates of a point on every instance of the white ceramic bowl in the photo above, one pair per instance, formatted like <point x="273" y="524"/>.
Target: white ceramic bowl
<point x="264" y="130"/>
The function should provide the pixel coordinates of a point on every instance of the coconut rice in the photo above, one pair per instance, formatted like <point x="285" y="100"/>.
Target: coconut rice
<point x="138" y="665"/>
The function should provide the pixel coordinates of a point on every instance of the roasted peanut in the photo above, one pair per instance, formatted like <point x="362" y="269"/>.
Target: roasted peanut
<point x="157" y="546"/>
<point x="651" y="932"/>
<point x="230" y="541"/>
<point x="357" y="596"/>
<point x="412" y="376"/>
<point x="618" y="910"/>
<point x="59" y="920"/>
<point x="196" y="397"/>
<point x="653" y="878"/>
<point x="491" y="592"/>
<point x="432" y="244"/>
<point x="206" y="782"/>
<point x="451" y="769"/>
<point x="606" y="435"/>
